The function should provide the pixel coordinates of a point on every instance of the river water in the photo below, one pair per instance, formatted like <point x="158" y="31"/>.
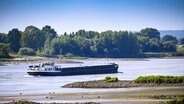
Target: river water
<point x="14" y="79"/>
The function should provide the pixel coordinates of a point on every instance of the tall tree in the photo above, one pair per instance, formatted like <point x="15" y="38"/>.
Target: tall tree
<point x="3" y="38"/>
<point x="14" y="37"/>
<point x="49" y="32"/>
<point x="151" y="33"/>
<point x="169" y="46"/>
<point x="32" y="37"/>
<point x="126" y="44"/>
<point x="153" y="45"/>
<point x="182" y="41"/>
<point x="4" y="50"/>
<point x="169" y="43"/>
<point x="169" y="38"/>
<point x="81" y="33"/>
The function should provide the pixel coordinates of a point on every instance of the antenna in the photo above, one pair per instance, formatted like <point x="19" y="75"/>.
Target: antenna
<point x="107" y="59"/>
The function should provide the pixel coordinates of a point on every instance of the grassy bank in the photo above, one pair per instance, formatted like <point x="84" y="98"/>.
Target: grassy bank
<point x="142" y="81"/>
<point x="160" y="79"/>
<point x="180" y="101"/>
<point x="180" y="51"/>
<point x="119" y="84"/>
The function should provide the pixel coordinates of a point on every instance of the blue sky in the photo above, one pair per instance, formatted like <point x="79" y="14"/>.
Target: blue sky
<point x="97" y="15"/>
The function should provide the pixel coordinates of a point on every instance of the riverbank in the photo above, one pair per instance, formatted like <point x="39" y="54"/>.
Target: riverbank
<point x="118" y="84"/>
<point x="35" y="59"/>
<point x="38" y="59"/>
<point x="141" y="95"/>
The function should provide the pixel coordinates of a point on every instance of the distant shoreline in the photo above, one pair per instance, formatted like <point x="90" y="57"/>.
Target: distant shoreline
<point x="33" y="59"/>
<point x="37" y="59"/>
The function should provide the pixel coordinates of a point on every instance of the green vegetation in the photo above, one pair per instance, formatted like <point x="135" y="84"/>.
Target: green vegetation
<point x="180" y="101"/>
<point x="167" y="96"/>
<point x="160" y="79"/>
<point x="158" y="54"/>
<point x="26" y="51"/>
<point x="180" y="51"/>
<point x="4" y="51"/>
<point x="169" y="38"/>
<point x="176" y="102"/>
<point x="3" y="38"/>
<point x="182" y="41"/>
<point x="169" y="43"/>
<point x="14" y="37"/>
<point x="33" y="38"/>
<point x="46" y="42"/>
<point x="111" y="79"/>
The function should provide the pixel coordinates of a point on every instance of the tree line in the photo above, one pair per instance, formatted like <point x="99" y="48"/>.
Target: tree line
<point x="46" y="42"/>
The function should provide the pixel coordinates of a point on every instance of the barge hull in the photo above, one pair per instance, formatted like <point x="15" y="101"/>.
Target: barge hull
<point x="85" y="70"/>
<point x="71" y="73"/>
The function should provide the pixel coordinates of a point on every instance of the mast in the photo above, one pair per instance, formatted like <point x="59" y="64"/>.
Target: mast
<point x="107" y="59"/>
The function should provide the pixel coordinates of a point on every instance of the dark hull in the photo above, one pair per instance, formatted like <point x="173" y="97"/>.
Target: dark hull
<point x="80" y="71"/>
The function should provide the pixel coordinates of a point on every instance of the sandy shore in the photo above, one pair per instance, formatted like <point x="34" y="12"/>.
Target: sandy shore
<point x="34" y="60"/>
<point x="143" y="95"/>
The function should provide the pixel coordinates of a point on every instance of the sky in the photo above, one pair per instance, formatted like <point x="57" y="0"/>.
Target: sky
<point x="97" y="15"/>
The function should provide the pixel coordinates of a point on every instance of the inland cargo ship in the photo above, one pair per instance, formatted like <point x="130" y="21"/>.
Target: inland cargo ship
<point x="49" y="69"/>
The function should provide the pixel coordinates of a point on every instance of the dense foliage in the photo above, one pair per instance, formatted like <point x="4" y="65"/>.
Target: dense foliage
<point x="169" y="43"/>
<point x="180" y="51"/>
<point x="111" y="79"/>
<point x="14" y="37"/>
<point x="33" y="38"/>
<point x="182" y="41"/>
<point x="3" y="38"/>
<point x="46" y="42"/>
<point x="176" y="101"/>
<point x="27" y="51"/>
<point x="4" y="50"/>
<point x="160" y="79"/>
